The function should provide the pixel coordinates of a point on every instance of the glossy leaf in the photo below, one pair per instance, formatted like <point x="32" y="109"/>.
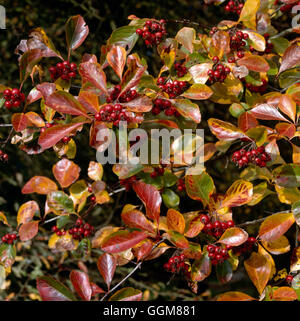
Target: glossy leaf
<point x="199" y="187"/>
<point x="186" y="37"/>
<point x="116" y="58"/>
<point x="234" y="236"/>
<point x="291" y="58"/>
<point x="258" y="270"/>
<point x="27" y="211"/>
<point x="234" y="296"/>
<point x="107" y="265"/>
<point x="81" y="283"/>
<point x="60" y="203"/>
<point x="254" y="63"/>
<point x="224" y="131"/>
<point x="28" y="230"/>
<point x="40" y="185"/>
<point x="127" y="294"/>
<point x="76" y="32"/>
<point x="151" y="198"/>
<point x="122" y="241"/>
<point x="175" y="221"/>
<point x="239" y="193"/>
<point x="66" y="172"/>
<point x="275" y="226"/>
<point x="52" y="290"/>
<point x="54" y="134"/>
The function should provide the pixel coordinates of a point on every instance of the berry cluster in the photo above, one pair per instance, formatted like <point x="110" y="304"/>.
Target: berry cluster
<point x="180" y="185"/>
<point x="127" y="183"/>
<point x="128" y="96"/>
<point x="13" y="98"/>
<point x="152" y="32"/>
<point x="219" y="72"/>
<point x="80" y="231"/>
<point x="256" y="156"/>
<point x="218" y="254"/>
<point x="64" y="70"/>
<point x="112" y="113"/>
<point x="181" y="70"/>
<point x="176" y="264"/>
<point x="237" y="42"/>
<point x="288" y="7"/>
<point x="216" y="228"/>
<point x="3" y="156"/>
<point x="157" y="171"/>
<point x="289" y="278"/>
<point x="124" y="98"/>
<point x="269" y="45"/>
<point x="164" y="105"/>
<point x="258" y="89"/>
<point x="234" y="7"/>
<point x="172" y="88"/>
<point x="213" y="31"/>
<point x="245" y="247"/>
<point x="9" y="238"/>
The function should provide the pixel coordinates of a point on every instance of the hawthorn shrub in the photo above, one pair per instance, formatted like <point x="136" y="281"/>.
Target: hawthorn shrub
<point x="243" y="64"/>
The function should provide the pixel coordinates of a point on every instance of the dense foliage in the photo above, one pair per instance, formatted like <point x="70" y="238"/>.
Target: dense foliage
<point x="230" y="232"/>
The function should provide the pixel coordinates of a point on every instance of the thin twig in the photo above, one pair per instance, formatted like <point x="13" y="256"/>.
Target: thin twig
<point x="131" y="272"/>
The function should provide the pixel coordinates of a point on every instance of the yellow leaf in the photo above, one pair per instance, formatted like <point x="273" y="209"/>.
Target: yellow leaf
<point x="248" y="14"/>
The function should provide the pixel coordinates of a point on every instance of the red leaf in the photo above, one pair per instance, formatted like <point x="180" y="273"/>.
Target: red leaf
<point x="76" y="31"/>
<point x="64" y="102"/>
<point x="291" y="58"/>
<point x="93" y="73"/>
<point x="107" y="265"/>
<point x="28" y="230"/>
<point x="267" y="112"/>
<point x="254" y="63"/>
<point x="136" y="219"/>
<point x="81" y="283"/>
<point x="122" y="241"/>
<point x="247" y="121"/>
<point x="46" y="89"/>
<point x="66" y="172"/>
<point x="19" y="121"/>
<point x="116" y="58"/>
<point x="141" y="104"/>
<point x="54" y="134"/>
<point x="52" y="290"/>
<point x="151" y="198"/>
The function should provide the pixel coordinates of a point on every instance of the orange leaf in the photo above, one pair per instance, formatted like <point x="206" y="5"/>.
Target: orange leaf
<point x="234" y="296"/>
<point x="254" y="63"/>
<point x="275" y="226"/>
<point x="233" y="236"/>
<point x="28" y="230"/>
<point x="27" y="211"/>
<point x="285" y="293"/>
<point x="175" y="221"/>
<point x="66" y="172"/>
<point x="259" y="270"/>
<point x="40" y="185"/>
<point x="116" y="58"/>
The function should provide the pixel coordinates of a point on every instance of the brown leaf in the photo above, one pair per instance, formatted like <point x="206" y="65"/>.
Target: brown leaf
<point x="175" y="221"/>
<point x="27" y="211"/>
<point x="81" y="283"/>
<point x="233" y="236"/>
<point x="291" y="58"/>
<point x="116" y="58"/>
<point x="40" y="185"/>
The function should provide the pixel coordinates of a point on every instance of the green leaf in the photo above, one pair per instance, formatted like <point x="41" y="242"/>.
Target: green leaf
<point x="124" y="36"/>
<point x="199" y="187"/>
<point x="170" y="198"/>
<point x="60" y="203"/>
<point x="127" y="294"/>
<point x="224" y="272"/>
<point x="287" y="175"/>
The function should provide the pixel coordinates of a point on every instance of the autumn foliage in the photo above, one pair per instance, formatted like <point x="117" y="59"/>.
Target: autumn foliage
<point x="244" y="66"/>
